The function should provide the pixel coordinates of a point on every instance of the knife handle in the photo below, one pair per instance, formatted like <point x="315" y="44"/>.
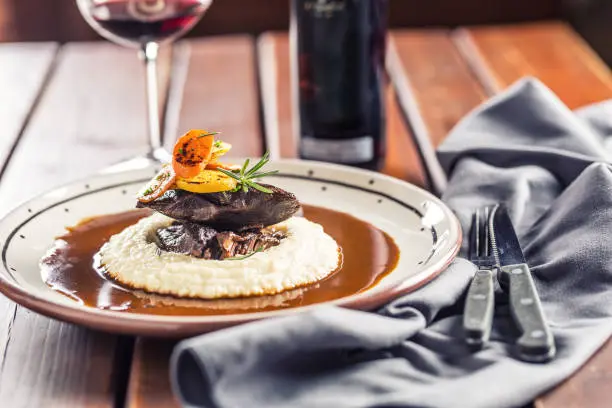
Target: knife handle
<point x="536" y="343"/>
<point x="478" y="313"/>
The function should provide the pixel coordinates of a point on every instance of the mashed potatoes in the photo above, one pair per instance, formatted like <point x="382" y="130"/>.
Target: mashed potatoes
<point x="305" y="256"/>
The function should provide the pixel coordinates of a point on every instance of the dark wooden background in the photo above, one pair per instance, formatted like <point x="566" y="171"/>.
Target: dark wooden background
<point x="59" y="20"/>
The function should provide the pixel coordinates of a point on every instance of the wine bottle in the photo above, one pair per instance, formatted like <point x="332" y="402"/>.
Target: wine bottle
<point x="338" y="49"/>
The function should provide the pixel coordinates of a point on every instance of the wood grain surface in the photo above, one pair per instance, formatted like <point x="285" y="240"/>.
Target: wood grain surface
<point x="149" y="385"/>
<point x="24" y="73"/>
<point x="552" y="52"/>
<point x="403" y="159"/>
<point x="435" y="90"/>
<point x="51" y="364"/>
<point x="214" y="87"/>
<point x="440" y="81"/>
<point x="24" y="70"/>
<point x="90" y="115"/>
<point x="274" y="79"/>
<point x="589" y="387"/>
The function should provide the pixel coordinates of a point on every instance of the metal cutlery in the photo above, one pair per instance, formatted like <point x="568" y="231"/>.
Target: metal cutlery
<point x="536" y="343"/>
<point x="478" y="312"/>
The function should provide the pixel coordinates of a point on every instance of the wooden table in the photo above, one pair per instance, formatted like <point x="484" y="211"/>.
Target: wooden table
<point x="66" y="111"/>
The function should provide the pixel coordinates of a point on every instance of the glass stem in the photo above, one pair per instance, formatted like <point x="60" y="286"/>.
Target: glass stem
<point x="149" y="53"/>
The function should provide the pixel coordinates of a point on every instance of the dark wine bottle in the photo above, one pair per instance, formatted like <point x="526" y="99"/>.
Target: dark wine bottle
<point x="338" y="49"/>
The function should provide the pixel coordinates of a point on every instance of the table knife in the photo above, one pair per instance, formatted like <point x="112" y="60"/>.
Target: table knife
<point x="536" y="343"/>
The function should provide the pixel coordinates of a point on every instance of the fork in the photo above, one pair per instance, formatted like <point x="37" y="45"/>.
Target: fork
<point x="478" y="310"/>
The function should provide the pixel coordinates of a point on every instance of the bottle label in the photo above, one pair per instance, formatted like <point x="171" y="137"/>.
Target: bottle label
<point x="324" y="8"/>
<point x="357" y="150"/>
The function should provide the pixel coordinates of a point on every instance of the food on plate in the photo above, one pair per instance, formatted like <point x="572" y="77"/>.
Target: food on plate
<point x="219" y="241"/>
<point x="237" y="210"/>
<point x="218" y="231"/>
<point x="192" y="152"/>
<point x="302" y="254"/>
<point x="72" y="268"/>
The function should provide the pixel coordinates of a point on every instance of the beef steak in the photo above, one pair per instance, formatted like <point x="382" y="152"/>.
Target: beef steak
<point x="232" y="211"/>
<point x="205" y="242"/>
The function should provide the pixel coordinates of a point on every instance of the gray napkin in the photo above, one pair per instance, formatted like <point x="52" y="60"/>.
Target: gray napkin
<point x="523" y="148"/>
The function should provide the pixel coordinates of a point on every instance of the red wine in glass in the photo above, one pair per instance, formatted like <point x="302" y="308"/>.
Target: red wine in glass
<point x="141" y="21"/>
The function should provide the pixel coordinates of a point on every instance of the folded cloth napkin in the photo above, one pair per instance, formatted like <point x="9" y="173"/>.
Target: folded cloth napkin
<point x="523" y="148"/>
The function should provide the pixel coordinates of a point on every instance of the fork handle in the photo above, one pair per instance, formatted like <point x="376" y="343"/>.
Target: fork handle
<point x="536" y="343"/>
<point x="478" y="313"/>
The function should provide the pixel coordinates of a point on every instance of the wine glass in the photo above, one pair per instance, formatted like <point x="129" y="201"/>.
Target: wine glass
<point x="145" y="24"/>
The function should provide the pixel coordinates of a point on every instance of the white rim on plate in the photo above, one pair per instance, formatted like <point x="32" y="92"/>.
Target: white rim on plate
<point x="445" y="230"/>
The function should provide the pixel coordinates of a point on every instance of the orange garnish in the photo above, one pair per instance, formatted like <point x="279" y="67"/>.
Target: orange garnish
<point x="163" y="181"/>
<point x="192" y="152"/>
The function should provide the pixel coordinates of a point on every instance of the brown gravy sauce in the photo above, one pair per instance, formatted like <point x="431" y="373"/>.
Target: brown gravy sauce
<point x="70" y="268"/>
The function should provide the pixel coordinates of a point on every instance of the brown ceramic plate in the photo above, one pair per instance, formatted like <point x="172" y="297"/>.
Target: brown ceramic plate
<point x="425" y="230"/>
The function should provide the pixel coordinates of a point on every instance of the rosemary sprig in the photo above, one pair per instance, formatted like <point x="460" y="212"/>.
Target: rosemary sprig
<point x="246" y="177"/>
<point x="264" y="160"/>
<point x="240" y="258"/>
<point x="207" y="134"/>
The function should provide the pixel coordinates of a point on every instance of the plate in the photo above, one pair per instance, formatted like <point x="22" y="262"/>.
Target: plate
<point x="425" y="230"/>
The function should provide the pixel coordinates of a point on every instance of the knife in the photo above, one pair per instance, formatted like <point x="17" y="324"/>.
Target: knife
<point x="536" y="343"/>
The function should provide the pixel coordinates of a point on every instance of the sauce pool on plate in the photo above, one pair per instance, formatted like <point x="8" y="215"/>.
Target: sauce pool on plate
<point x="71" y="268"/>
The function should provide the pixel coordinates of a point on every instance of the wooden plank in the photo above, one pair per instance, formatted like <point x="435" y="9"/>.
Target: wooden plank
<point x="403" y="160"/>
<point x="439" y="79"/>
<point x="274" y="78"/>
<point x="214" y="86"/>
<point x="91" y="109"/>
<point x="52" y="364"/>
<point x="591" y="19"/>
<point x="149" y="385"/>
<point x="589" y="387"/>
<point x="550" y="51"/>
<point x="24" y="70"/>
<point x="435" y="89"/>
<point x="95" y="112"/>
